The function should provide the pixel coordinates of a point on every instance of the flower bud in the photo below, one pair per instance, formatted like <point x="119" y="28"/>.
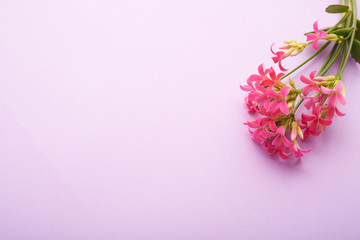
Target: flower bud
<point x="331" y="37"/>
<point x="293" y="133"/>
<point x="294" y="48"/>
<point x="327" y="78"/>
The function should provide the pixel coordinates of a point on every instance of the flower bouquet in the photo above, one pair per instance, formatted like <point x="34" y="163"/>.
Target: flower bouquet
<point x="275" y="97"/>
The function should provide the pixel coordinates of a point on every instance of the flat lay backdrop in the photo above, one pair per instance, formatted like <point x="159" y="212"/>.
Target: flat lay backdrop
<point x="124" y="120"/>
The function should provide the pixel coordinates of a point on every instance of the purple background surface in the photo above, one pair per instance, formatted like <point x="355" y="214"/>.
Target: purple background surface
<point x="124" y="120"/>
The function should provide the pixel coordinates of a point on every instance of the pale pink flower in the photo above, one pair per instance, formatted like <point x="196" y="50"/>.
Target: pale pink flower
<point x="316" y="36"/>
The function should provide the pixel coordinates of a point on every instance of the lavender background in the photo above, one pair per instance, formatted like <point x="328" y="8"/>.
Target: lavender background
<point x="124" y="120"/>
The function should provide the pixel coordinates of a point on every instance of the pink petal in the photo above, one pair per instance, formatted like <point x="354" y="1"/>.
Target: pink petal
<point x="272" y="73"/>
<point x="298" y="154"/>
<point x="330" y="113"/>
<point x="325" y="122"/>
<point x="276" y="141"/>
<point x="261" y="69"/>
<point x="326" y="90"/>
<point x="339" y="87"/>
<point x="271" y="46"/>
<point x="256" y="135"/>
<point x="331" y="100"/>
<point x="255" y="78"/>
<point x="322" y="34"/>
<point x="263" y="121"/>
<point x="246" y="88"/>
<point x="315" y="26"/>
<point x="306" y="118"/>
<point x="274" y="106"/>
<point x="285" y="91"/>
<point x="281" y="67"/>
<point x="315" y="88"/>
<point x="313" y="126"/>
<point x="267" y="134"/>
<point x="276" y="59"/>
<point x="315" y="44"/>
<point x="283" y="155"/>
<point x="252" y="124"/>
<point x="285" y="141"/>
<point x="341" y="99"/>
<point x="272" y="126"/>
<point x="340" y="114"/>
<point x="308" y="104"/>
<point x="284" y="108"/>
<point x="267" y="82"/>
<point x="272" y="94"/>
<point x="280" y="54"/>
<point x="281" y="130"/>
<point x="306" y="89"/>
<point x="311" y="36"/>
<point x="316" y="133"/>
<point x="267" y="103"/>
<point x="307" y="133"/>
<point x="312" y="75"/>
<point x="305" y="79"/>
<point x="316" y="110"/>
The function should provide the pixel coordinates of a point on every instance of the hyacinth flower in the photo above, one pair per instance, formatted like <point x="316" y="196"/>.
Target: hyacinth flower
<point x="281" y="125"/>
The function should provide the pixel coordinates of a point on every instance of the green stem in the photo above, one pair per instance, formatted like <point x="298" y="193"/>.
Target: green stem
<point x="351" y="41"/>
<point x="326" y="66"/>
<point x="329" y="57"/>
<point x="346" y="15"/>
<point x="333" y="59"/>
<point x="306" y="61"/>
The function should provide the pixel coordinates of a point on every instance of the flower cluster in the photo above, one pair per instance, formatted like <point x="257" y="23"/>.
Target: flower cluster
<point x="280" y="128"/>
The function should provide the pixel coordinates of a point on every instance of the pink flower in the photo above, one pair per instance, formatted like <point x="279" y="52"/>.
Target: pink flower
<point x="312" y="100"/>
<point x="267" y="77"/>
<point x="316" y="36"/>
<point x="278" y="144"/>
<point x="281" y="150"/>
<point x="259" y="78"/>
<point x="257" y="85"/>
<point x="279" y="56"/>
<point x="314" y="122"/>
<point x="280" y="138"/>
<point x="263" y="129"/>
<point x="295" y="148"/>
<point x="335" y="94"/>
<point x="331" y="112"/>
<point x="279" y="100"/>
<point x="312" y="83"/>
